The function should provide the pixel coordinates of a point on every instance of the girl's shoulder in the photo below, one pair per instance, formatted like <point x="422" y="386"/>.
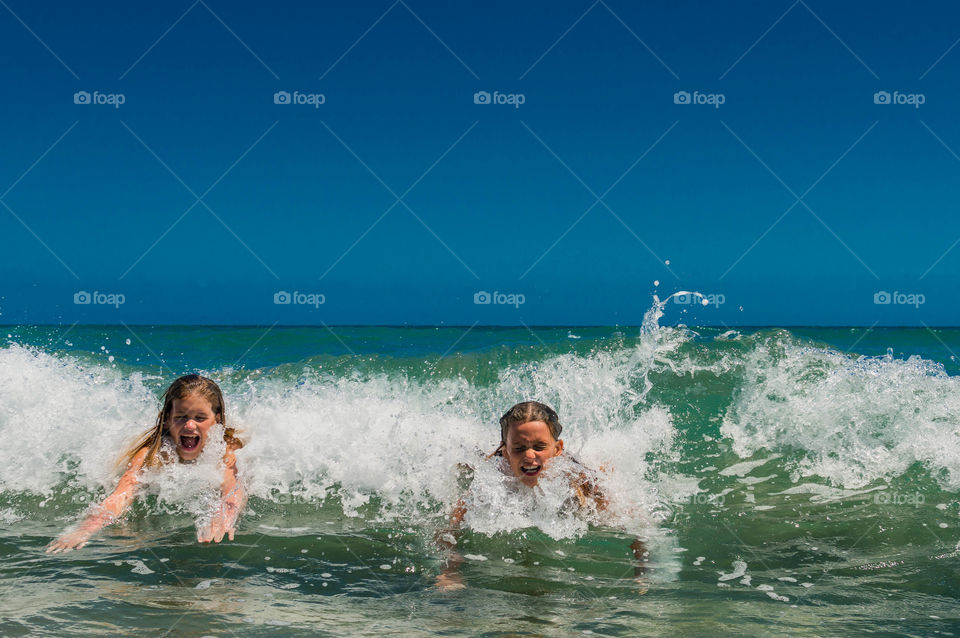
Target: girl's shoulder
<point x="137" y="460"/>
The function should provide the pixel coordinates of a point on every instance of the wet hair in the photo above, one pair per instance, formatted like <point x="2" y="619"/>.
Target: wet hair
<point x="180" y="389"/>
<point x="524" y="413"/>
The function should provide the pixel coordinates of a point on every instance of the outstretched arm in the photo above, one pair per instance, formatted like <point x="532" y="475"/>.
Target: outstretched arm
<point x="105" y="513"/>
<point x="587" y="490"/>
<point x="450" y="578"/>
<point x="641" y="556"/>
<point x="234" y="497"/>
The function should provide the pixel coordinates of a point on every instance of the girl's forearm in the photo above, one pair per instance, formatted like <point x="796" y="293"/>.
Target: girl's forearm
<point x="233" y="501"/>
<point x="113" y="506"/>
<point x="98" y="519"/>
<point x="641" y="555"/>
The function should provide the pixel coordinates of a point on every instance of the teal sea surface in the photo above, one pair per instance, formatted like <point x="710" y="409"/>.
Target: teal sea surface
<point x="796" y="481"/>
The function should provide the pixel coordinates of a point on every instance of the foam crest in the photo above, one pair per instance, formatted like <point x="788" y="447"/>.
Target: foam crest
<point x="61" y="419"/>
<point x="855" y="419"/>
<point x="399" y="441"/>
<point x="378" y="437"/>
<point x="388" y="443"/>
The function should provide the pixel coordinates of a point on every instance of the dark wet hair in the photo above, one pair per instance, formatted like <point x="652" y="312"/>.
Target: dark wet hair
<point x="524" y="413"/>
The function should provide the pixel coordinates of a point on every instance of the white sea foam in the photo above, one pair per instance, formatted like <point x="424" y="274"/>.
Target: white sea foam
<point x="61" y="419"/>
<point x="386" y="437"/>
<point x="856" y="419"/>
<point x="397" y="439"/>
<point x="739" y="569"/>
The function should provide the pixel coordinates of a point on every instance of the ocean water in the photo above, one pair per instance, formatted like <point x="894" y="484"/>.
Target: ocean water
<point x="785" y="481"/>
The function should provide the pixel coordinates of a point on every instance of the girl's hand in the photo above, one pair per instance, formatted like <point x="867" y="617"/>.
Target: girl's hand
<point x="221" y="525"/>
<point x="642" y="585"/>
<point x="449" y="581"/>
<point x="70" y="541"/>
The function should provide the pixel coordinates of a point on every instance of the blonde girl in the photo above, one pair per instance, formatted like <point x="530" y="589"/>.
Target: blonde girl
<point x="192" y="406"/>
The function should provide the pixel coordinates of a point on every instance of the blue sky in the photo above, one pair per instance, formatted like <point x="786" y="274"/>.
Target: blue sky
<point x="798" y="200"/>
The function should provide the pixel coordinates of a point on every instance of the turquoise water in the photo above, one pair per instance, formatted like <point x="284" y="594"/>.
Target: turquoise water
<point x="800" y="481"/>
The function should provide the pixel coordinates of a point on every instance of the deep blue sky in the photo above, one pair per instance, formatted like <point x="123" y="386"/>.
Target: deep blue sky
<point x="598" y="82"/>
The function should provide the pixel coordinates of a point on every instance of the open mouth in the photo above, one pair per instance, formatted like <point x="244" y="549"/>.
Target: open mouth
<point x="189" y="441"/>
<point x="531" y="470"/>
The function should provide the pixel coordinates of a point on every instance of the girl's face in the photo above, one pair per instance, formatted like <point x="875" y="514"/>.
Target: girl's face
<point x="188" y="423"/>
<point x="528" y="448"/>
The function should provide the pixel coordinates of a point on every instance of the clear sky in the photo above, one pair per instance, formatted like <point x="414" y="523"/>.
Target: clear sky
<point x="556" y="153"/>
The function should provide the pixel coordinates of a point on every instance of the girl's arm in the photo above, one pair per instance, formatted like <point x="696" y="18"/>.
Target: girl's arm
<point x="587" y="489"/>
<point x="449" y="578"/>
<point x="641" y="555"/>
<point x="234" y="498"/>
<point x="104" y="514"/>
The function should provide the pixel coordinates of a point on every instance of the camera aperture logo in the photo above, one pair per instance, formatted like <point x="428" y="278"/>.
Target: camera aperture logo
<point x="513" y="99"/>
<point x="97" y="298"/>
<point x="910" y="99"/>
<point x="710" y="99"/>
<point x="310" y="99"/>
<point x="484" y="298"/>
<point x="109" y="99"/>
<point x="297" y="298"/>
<point x="897" y="298"/>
